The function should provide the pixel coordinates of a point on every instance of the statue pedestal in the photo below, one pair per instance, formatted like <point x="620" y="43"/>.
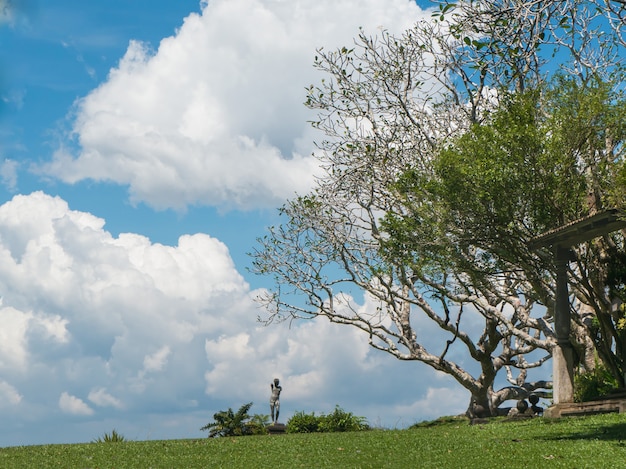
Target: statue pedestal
<point x="276" y="428"/>
<point x="575" y="409"/>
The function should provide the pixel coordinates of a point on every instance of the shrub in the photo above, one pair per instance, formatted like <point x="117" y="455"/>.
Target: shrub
<point x="113" y="437"/>
<point x="342" y="421"/>
<point x="338" y="421"/>
<point x="303" y="423"/>
<point x="258" y="424"/>
<point x="229" y="423"/>
<point x="594" y="384"/>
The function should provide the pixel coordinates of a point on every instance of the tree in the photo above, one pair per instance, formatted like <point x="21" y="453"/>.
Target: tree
<point x="393" y="217"/>
<point x="539" y="162"/>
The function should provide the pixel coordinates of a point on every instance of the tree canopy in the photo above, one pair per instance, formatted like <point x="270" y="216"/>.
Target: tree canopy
<point x="446" y="151"/>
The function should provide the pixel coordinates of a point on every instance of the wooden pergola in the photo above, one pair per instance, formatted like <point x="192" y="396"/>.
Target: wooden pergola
<point x="560" y="241"/>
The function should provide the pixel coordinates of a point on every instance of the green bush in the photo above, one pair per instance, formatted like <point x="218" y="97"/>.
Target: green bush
<point x="257" y="425"/>
<point x="229" y="423"/>
<point x="303" y="423"/>
<point x="342" y="421"/>
<point x="591" y="385"/>
<point x="338" y="421"/>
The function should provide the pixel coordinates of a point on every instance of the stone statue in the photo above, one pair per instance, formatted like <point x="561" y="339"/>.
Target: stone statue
<point x="275" y="400"/>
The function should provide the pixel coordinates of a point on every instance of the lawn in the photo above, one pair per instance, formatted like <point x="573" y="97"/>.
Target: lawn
<point x="577" y="442"/>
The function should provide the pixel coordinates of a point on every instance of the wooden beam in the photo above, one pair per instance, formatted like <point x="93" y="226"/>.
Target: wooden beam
<point x="581" y="230"/>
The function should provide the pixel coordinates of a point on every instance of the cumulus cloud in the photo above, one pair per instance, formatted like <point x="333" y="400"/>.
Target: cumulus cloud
<point x="157" y="360"/>
<point x="214" y="115"/>
<point x="13" y="352"/>
<point x="436" y="402"/>
<point x="8" y="394"/>
<point x="73" y="405"/>
<point x="124" y="329"/>
<point x="83" y="310"/>
<point x="102" y="398"/>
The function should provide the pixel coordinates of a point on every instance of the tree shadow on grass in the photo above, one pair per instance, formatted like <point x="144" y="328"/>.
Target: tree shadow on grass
<point x="613" y="432"/>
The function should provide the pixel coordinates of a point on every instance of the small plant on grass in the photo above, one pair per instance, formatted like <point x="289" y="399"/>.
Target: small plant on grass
<point x="112" y="437"/>
<point x="229" y="423"/>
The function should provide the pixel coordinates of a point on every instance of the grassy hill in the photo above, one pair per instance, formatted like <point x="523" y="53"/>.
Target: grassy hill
<point x="577" y="442"/>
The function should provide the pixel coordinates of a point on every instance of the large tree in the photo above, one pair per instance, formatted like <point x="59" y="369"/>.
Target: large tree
<point x="395" y="215"/>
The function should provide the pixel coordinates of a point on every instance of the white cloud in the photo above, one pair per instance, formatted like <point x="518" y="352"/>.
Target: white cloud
<point x="8" y="174"/>
<point x="8" y="394"/>
<point x="90" y="308"/>
<point x="214" y="116"/>
<point x="13" y="350"/>
<point x="156" y="361"/>
<point x="145" y="330"/>
<point x="73" y="405"/>
<point x="102" y="398"/>
<point x="436" y="402"/>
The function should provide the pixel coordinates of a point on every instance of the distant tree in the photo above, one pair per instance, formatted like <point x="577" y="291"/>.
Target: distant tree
<point x="446" y="150"/>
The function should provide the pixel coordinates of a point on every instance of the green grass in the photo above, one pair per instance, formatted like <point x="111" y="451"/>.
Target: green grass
<point x="593" y="442"/>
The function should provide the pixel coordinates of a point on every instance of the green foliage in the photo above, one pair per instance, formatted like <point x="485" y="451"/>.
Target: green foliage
<point x="523" y="170"/>
<point x="616" y="274"/>
<point x="518" y="173"/>
<point x="258" y="424"/>
<point x="342" y="421"/>
<point x="543" y="158"/>
<point x="112" y="437"/>
<point x="595" y="384"/>
<point x="338" y="421"/>
<point x="595" y="441"/>
<point x="229" y="423"/>
<point x="302" y="422"/>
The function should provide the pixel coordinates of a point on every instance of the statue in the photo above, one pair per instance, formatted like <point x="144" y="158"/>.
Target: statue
<point x="275" y="400"/>
<point x="521" y="410"/>
<point x="534" y="400"/>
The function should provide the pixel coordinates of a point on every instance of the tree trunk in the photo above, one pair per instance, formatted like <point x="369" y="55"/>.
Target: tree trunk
<point x="481" y="404"/>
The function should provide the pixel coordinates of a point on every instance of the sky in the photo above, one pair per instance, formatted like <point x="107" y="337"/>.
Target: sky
<point x="144" y="146"/>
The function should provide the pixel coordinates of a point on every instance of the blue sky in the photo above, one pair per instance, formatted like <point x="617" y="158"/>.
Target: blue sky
<point x="144" y="146"/>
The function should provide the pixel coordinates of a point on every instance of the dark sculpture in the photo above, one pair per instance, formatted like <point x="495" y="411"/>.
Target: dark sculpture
<point x="275" y="400"/>
<point x="534" y="399"/>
